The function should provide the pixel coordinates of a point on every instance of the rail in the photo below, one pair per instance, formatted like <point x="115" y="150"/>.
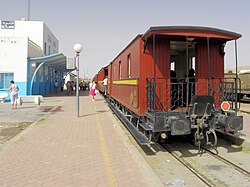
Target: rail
<point x="228" y="162"/>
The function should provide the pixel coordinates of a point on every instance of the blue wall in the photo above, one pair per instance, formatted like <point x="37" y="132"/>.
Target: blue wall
<point x="22" y="89"/>
<point x="47" y="85"/>
<point x="42" y="88"/>
<point x="46" y="74"/>
<point x="39" y="88"/>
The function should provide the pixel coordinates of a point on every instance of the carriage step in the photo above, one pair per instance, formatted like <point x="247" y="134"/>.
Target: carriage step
<point x="145" y="126"/>
<point x="140" y="138"/>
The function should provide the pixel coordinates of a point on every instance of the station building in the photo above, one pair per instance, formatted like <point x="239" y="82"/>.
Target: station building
<point x="29" y="55"/>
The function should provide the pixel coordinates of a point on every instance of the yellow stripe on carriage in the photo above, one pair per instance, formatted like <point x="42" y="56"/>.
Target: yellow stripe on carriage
<point x="127" y="82"/>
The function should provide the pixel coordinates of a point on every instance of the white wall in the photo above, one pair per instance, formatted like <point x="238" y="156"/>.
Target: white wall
<point x="20" y="40"/>
<point x="34" y="50"/>
<point x="37" y="32"/>
<point x="51" y="41"/>
<point x="13" y="56"/>
<point x="31" y="29"/>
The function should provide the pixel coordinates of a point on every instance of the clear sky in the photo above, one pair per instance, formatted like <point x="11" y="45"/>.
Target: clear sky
<point x="105" y="27"/>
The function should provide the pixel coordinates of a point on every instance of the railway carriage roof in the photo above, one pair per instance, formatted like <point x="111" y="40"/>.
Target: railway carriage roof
<point x="191" y="31"/>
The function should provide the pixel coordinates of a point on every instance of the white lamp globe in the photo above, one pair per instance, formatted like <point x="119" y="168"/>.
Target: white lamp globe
<point x="78" y="48"/>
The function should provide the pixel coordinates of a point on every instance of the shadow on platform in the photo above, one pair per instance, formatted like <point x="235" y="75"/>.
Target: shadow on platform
<point x="64" y="94"/>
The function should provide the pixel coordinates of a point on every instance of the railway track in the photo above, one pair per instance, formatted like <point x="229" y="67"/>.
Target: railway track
<point x="212" y="169"/>
<point x="229" y="163"/>
<point x="202" y="177"/>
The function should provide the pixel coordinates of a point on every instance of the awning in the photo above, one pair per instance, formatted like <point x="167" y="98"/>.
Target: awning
<point x="57" y="61"/>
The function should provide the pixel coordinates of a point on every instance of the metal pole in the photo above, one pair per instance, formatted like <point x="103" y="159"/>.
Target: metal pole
<point x="236" y="57"/>
<point x="187" y="78"/>
<point x="28" y="10"/>
<point x="236" y="85"/>
<point x="208" y="59"/>
<point x="154" y="56"/>
<point x="77" y="85"/>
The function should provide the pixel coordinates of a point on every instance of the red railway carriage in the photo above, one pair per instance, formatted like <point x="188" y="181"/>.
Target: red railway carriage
<point x="100" y="77"/>
<point x="170" y="80"/>
<point x="124" y="76"/>
<point x="95" y="78"/>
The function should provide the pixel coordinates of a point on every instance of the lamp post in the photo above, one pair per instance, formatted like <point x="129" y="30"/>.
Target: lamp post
<point x="77" y="49"/>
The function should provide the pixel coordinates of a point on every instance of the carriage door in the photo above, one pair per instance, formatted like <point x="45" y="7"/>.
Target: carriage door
<point x="182" y="59"/>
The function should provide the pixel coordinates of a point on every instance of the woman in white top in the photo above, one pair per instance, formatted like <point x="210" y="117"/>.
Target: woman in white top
<point x="92" y="90"/>
<point x="105" y="84"/>
<point x="13" y="89"/>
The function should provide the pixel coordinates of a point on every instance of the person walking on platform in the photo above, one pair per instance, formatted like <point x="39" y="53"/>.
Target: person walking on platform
<point x="55" y="86"/>
<point x="81" y="85"/>
<point x="73" y="85"/>
<point x="61" y="86"/>
<point x="92" y="87"/>
<point x="69" y="88"/>
<point x="13" y="89"/>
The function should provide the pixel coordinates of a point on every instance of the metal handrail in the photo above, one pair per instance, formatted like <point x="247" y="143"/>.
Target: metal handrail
<point x="164" y="95"/>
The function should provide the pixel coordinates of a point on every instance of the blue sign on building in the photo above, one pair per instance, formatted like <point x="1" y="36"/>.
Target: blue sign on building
<point x="7" y="24"/>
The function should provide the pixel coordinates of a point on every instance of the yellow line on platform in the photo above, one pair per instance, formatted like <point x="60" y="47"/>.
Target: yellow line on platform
<point x="105" y="153"/>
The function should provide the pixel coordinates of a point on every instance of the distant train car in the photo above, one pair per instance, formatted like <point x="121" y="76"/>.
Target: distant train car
<point x="170" y="81"/>
<point x="95" y="78"/>
<point x="244" y="84"/>
<point x="102" y="74"/>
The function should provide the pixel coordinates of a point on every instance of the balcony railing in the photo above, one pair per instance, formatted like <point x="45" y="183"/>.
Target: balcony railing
<point x="164" y="95"/>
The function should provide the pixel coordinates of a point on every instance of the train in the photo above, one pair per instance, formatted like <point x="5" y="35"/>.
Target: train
<point x="243" y="82"/>
<point x="169" y="82"/>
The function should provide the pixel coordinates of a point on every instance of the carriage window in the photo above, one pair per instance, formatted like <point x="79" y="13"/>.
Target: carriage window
<point x="114" y="72"/>
<point x="129" y="66"/>
<point x="120" y="69"/>
<point x="106" y="72"/>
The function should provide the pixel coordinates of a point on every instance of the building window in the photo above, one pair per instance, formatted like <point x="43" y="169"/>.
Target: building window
<point x="45" y="48"/>
<point x="129" y="66"/>
<point x="49" y="49"/>
<point x="5" y="79"/>
<point x="120" y="69"/>
<point x="54" y="44"/>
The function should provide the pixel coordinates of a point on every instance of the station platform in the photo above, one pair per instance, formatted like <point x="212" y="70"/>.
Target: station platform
<point x="61" y="149"/>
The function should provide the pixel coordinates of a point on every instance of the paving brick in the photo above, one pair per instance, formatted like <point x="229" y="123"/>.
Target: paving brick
<point x="65" y="150"/>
